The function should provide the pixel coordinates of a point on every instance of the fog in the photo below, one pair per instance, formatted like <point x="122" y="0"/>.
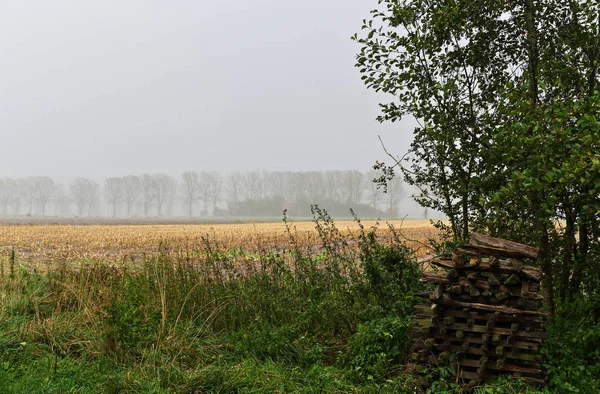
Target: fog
<point x="210" y="194"/>
<point x="102" y="89"/>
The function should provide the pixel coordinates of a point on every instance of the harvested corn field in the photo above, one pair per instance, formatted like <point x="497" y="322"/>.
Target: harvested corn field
<point x="47" y="244"/>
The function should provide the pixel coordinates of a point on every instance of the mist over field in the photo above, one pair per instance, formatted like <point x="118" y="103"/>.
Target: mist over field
<point x="99" y="90"/>
<point x="269" y="196"/>
<point x="204" y="194"/>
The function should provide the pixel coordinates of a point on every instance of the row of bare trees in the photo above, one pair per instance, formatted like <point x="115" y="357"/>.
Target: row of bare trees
<point x="348" y="187"/>
<point x="24" y="194"/>
<point x="211" y="192"/>
<point x="156" y="191"/>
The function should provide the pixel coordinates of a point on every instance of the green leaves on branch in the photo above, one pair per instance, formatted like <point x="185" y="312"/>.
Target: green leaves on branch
<point x="506" y="99"/>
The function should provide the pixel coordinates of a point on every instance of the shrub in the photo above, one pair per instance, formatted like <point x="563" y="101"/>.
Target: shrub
<point x="378" y="347"/>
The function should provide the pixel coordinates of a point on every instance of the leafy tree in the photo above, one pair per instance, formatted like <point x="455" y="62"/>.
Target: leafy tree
<point x="436" y="59"/>
<point x="506" y="98"/>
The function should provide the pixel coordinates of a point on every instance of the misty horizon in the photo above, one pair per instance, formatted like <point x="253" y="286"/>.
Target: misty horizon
<point x="211" y="194"/>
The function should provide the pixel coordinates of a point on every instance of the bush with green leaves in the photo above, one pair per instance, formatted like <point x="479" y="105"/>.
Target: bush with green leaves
<point x="378" y="349"/>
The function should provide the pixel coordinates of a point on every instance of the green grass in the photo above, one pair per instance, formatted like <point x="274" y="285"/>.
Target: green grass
<point x="290" y="322"/>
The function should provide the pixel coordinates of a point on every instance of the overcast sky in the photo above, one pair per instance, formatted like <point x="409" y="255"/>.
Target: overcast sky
<point x="111" y="87"/>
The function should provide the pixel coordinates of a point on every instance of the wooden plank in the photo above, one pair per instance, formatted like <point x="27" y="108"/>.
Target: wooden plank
<point x="500" y="245"/>
<point x="472" y="250"/>
<point x="527" y="321"/>
<point x="534" y="370"/>
<point x="436" y="279"/>
<point x="479" y="352"/>
<point x="474" y="339"/>
<point x="447" y="300"/>
<point x="489" y="328"/>
<point x="504" y="267"/>
<point x="499" y="298"/>
<point x="531" y="335"/>
<point x="437" y="293"/>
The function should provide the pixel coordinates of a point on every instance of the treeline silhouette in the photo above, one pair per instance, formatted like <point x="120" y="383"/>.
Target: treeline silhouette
<point x="203" y="193"/>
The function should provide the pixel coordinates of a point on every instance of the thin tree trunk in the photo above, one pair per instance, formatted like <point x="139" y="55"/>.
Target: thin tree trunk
<point x="532" y="50"/>
<point x="465" y="213"/>
<point x="581" y="257"/>
<point x="567" y="260"/>
<point x="545" y="261"/>
<point x="541" y="225"/>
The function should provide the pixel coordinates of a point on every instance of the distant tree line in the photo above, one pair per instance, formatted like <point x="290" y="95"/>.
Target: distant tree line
<point x="204" y="193"/>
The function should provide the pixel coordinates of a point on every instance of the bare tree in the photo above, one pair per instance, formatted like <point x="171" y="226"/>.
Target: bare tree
<point x="315" y="186"/>
<point x="4" y="195"/>
<point x="17" y="195"/>
<point x="172" y="196"/>
<point x="163" y="188"/>
<point x="335" y="189"/>
<point x="297" y="183"/>
<point x="9" y="195"/>
<point x="190" y="189"/>
<point x="234" y="186"/>
<point x="78" y="194"/>
<point x="276" y="184"/>
<point x="131" y="191"/>
<point x="45" y="188"/>
<point x="148" y="191"/>
<point x="60" y="200"/>
<point x="28" y="189"/>
<point x="204" y="190"/>
<point x="216" y="186"/>
<point x="252" y="185"/>
<point x="113" y="192"/>
<point x="374" y="191"/>
<point x="394" y="192"/>
<point x="354" y="185"/>
<point x="82" y="194"/>
<point x="93" y="196"/>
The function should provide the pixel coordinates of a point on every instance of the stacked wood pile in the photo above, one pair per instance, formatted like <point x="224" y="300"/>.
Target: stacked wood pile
<point x="483" y="314"/>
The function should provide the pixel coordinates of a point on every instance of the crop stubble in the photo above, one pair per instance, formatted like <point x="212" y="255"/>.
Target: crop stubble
<point x="48" y="244"/>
